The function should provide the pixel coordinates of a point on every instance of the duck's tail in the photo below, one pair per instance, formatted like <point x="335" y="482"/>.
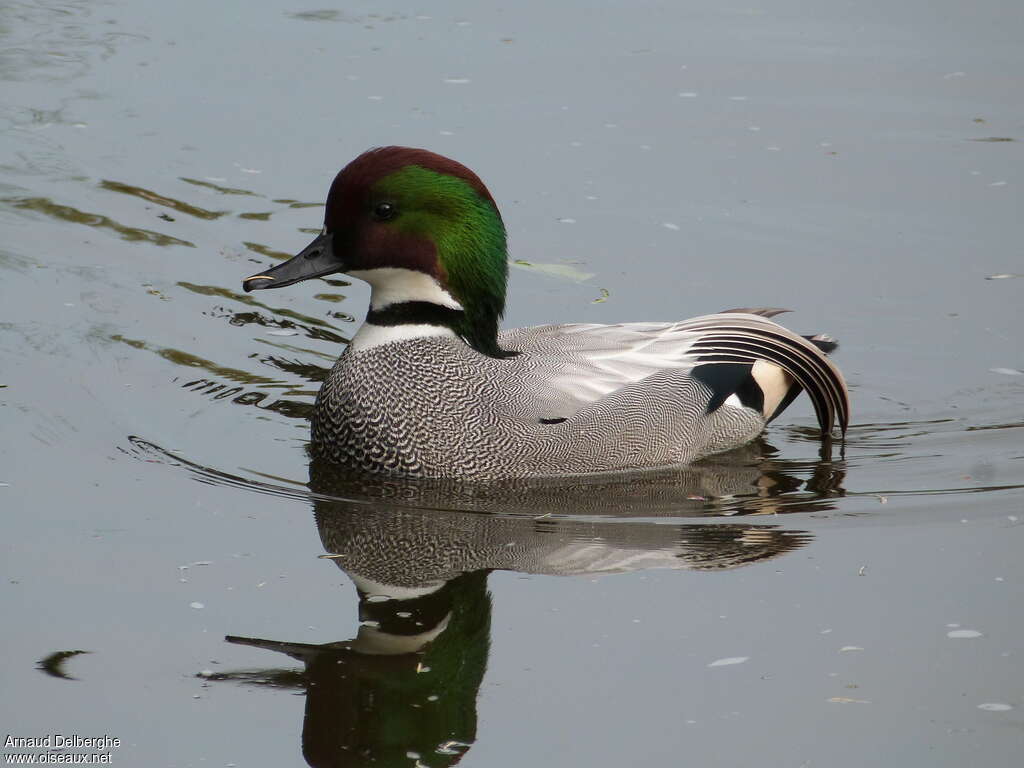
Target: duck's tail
<point x="774" y="363"/>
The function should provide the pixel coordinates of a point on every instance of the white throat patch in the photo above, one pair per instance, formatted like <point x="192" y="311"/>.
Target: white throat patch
<point x="393" y="285"/>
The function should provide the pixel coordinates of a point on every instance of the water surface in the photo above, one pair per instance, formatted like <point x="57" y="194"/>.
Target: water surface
<point x="177" y="575"/>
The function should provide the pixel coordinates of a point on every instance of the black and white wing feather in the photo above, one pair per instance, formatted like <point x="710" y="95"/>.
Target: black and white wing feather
<point x="587" y="362"/>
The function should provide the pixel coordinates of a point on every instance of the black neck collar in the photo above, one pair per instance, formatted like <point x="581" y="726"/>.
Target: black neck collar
<point x="429" y="313"/>
<point x="416" y="313"/>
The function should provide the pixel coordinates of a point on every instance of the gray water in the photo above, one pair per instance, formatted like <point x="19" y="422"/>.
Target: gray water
<point x="859" y="163"/>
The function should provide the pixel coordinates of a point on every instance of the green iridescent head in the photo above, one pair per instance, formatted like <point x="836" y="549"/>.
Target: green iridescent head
<point x="409" y="209"/>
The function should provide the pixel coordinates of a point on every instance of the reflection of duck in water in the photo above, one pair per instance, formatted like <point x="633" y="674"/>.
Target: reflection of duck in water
<point x="748" y="480"/>
<point x="404" y="689"/>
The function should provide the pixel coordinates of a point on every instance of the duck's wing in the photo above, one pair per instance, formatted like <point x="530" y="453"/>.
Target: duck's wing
<point x="582" y="363"/>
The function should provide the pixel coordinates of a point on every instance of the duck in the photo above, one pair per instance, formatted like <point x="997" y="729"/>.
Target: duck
<point x="431" y="387"/>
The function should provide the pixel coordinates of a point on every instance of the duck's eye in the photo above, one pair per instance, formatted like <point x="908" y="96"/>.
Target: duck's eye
<point x="384" y="211"/>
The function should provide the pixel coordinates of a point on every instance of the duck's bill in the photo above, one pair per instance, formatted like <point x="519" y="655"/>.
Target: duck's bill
<point x="315" y="260"/>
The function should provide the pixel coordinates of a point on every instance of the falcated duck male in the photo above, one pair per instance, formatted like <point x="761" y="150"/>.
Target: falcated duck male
<point x="429" y="386"/>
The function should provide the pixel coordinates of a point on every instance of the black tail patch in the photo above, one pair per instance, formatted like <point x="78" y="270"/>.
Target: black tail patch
<point x="726" y="379"/>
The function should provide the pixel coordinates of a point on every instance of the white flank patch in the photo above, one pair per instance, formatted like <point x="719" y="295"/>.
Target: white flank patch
<point x="393" y="285"/>
<point x="733" y="402"/>
<point x="729" y="661"/>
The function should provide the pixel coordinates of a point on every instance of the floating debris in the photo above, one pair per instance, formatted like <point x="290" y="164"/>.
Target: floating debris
<point x="1003" y="276"/>
<point x="688" y="95"/>
<point x="993" y="139"/>
<point x="564" y="271"/>
<point x="670" y="225"/>
<point x="848" y="648"/>
<point x="457" y="80"/>
<point x="727" y="662"/>
<point x="963" y="634"/>
<point x="1007" y="371"/>
<point x="602" y="298"/>
<point x="994" y="706"/>
<point x="282" y="332"/>
<point x="54" y="663"/>
<point x="197" y="606"/>
<point x="846" y="700"/>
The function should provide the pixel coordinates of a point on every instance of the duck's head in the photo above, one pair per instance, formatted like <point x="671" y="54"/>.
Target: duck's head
<point x="424" y="232"/>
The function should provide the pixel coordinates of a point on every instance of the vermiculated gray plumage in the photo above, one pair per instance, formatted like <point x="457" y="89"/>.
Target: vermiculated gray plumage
<point x="427" y="388"/>
<point x="577" y="399"/>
